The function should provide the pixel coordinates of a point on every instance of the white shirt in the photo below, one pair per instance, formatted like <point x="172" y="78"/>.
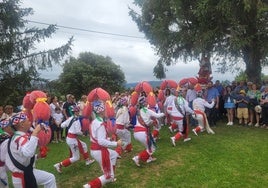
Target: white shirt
<point x="98" y="133"/>
<point x="23" y="151"/>
<point x="147" y="115"/>
<point x="58" y="117"/>
<point x="200" y="104"/>
<point x="122" y="116"/>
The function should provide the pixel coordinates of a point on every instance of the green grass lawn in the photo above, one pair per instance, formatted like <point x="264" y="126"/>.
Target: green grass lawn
<point x="235" y="156"/>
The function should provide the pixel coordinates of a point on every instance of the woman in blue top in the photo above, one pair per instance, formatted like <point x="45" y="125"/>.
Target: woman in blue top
<point x="229" y="104"/>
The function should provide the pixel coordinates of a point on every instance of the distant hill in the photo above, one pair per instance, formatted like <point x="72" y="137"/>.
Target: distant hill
<point x="153" y="84"/>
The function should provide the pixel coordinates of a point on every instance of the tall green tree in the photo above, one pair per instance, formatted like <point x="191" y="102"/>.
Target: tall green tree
<point x="19" y="59"/>
<point x="88" y="71"/>
<point x="227" y="31"/>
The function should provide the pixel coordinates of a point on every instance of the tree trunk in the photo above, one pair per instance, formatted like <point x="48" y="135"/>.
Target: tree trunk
<point x="253" y="65"/>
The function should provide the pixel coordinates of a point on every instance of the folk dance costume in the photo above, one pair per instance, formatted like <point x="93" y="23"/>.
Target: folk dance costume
<point x="199" y="105"/>
<point x="4" y="136"/>
<point x="156" y="123"/>
<point x="122" y="123"/>
<point x="100" y="148"/>
<point x="142" y="132"/>
<point x="76" y="146"/>
<point x="177" y="110"/>
<point x="168" y="102"/>
<point x="21" y="155"/>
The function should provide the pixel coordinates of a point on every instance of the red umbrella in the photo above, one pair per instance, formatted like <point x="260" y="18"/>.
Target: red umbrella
<point x="98" y="93"/>
<point x="44" y="136"/>
<point x="41" y="111"/>
<point x="151" y="99"/>
<point x="85" y="124"/>
<point x="183" y="81"/>
<point x="197" y="88"/>
<point x="161" y="95"/>
<point x="144" y="86"/>
<point x="37" y="94"/>
<point x="26" y="103"/>
<point x="110" y="113"/>
<point x="168" y="84"/>
<point x="110" y="127"/>
<point x="87" y="109"/>
<point x="160" y="105"/>
<point x="193" y="80"/>
<point x="29" y="114"/>
<point x="132" y="111"/>
<point x="134" y="98"/>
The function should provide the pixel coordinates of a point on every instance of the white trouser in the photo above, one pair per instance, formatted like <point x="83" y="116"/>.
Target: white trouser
<point x="96" y="154"/>
<point x="42" y="178"/>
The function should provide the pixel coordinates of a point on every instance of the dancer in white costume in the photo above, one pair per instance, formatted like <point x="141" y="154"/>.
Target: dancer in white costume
<point x="21" y="155"/>
<point x="76" y="146"/>
<point x="142" y="132"/>
<point x="5" y="133"/>
<point x="100" y="148"/>
<point x="178" y="110"/>
<point x="122" y="124"/>
<point x="199" y="105"/>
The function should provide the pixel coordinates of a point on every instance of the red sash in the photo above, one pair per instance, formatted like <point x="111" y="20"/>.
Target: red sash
<point x="119" y="126"/>
<point x="203" y="115"/>
<point x="176" y="118"/>
<point x="105" y="155"/>
<point x="19" y="175"/>
<point x="70" y="135"/>
<point x="2" y="163"/>
<point x="140" y="129"/>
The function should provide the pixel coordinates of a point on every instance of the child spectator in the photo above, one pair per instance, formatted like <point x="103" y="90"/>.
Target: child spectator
<point x="242" y="107"/>
<point x="56" y="126"/>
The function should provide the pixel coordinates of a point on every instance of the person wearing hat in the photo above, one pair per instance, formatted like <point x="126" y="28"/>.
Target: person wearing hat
<point x="100" y="148"/>
<point x="20" y="155"/>
<point x="122" y="124"/>
<point x="199" y="106"/>
<point x="76" y="146"/>
<point x="5" y="133"/>
<point x="242" y="107"/>
<point x="142" y="131"/>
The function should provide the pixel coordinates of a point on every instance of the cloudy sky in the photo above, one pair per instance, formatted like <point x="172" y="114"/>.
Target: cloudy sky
<point x="134" y="54"/>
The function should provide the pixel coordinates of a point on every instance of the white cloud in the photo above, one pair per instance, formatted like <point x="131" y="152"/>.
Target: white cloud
<point x="136" y="57"/>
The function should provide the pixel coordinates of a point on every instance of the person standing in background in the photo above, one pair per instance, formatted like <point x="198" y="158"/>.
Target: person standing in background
<point x="9" y="110"/>
<point x="67" y="109"/>
<point x="3" y="115"/>
<point x="212" y="94"/>
<point x="264" y="105"/>
<point x="254" y="96"/>
<point x="229" y="104"/>
<point x="242" y="107"/>
<point x="82" y="104"/>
